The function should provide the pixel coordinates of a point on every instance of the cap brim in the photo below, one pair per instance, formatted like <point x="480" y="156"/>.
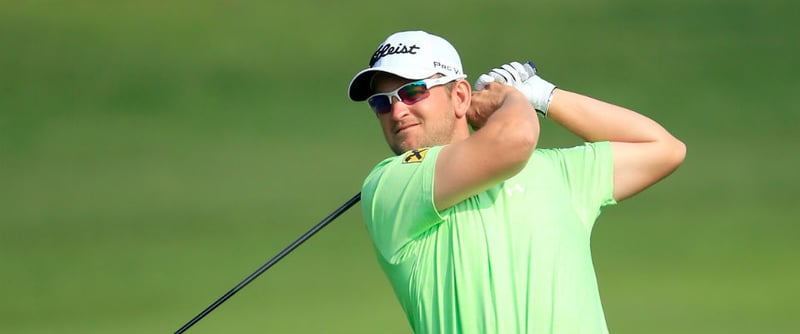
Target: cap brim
<point x="360" y="90"/>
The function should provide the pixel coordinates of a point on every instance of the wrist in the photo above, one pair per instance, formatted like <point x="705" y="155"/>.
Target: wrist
<point x="539" y="93"/>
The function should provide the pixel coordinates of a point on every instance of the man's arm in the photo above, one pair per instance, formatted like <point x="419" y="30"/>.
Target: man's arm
<point x="644" y="152"/>
<point x="507" y="132"/>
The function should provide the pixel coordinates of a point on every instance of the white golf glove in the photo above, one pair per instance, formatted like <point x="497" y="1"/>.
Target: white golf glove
<point x="522" y="77"/>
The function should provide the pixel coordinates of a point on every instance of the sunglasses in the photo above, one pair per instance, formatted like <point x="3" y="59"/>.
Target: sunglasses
<point x="409" y="93"/>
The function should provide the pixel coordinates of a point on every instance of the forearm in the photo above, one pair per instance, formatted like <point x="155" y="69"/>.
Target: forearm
<point x="500" y="109"/>
<point x="595" y="120"/>
<point x="512" y="127"/>
<point x="506" y="125"/>
<point x="507" y="130"/>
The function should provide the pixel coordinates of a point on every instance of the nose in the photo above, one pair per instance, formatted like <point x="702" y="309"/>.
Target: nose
<point x="398" y="108"/>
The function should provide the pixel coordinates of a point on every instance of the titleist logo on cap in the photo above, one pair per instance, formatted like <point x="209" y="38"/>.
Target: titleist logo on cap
<point x="388" y="49"/>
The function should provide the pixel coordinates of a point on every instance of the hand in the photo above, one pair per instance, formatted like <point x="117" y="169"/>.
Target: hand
<point x="524" y="78"/>
<point x="512" y="74"/>
<point x="486" y="101"/>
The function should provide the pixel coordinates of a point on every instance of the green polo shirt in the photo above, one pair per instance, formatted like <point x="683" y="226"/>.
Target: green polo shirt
<point x="513" y="259"/>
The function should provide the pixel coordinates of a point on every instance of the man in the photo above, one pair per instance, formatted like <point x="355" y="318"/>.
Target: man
<point x="480" y="231"/>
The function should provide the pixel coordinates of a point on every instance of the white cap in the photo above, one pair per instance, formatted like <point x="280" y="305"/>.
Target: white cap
<point x="412" y="55"/>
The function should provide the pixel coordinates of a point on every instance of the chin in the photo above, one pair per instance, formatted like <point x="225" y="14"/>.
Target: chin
<point x="398" y="150"/>
<point x="402" y="148"/>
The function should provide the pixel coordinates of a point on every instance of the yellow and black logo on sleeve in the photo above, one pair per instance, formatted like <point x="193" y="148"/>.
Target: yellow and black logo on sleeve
<point x="415" y="156"/>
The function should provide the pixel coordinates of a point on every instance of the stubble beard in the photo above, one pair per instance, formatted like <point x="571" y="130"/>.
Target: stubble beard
<point x="439" y="136"/>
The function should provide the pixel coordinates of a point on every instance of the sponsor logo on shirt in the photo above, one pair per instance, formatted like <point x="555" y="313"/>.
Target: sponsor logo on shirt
<point x="415" y="156"/>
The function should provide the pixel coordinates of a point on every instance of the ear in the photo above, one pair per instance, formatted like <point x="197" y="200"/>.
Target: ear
<point x="461" y="96"/>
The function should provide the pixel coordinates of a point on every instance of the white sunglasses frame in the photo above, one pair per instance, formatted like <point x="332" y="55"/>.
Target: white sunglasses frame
<point x="429" y="83"/>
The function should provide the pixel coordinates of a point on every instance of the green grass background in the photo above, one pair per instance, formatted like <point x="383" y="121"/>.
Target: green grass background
<point x="153" y="154"/>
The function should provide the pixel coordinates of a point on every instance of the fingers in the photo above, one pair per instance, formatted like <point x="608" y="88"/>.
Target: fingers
<point x="483" y="80"/>
<point x="517" y="70"/>
<point x="499" y="77"/>
<point x="505" y="75"/>
<point x="512" y="74"/>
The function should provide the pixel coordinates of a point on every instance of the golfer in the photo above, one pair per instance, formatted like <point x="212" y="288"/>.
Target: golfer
<point x="477" y="229"/>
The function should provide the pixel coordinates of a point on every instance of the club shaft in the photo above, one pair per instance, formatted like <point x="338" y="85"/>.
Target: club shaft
<point x="271" y="262"/>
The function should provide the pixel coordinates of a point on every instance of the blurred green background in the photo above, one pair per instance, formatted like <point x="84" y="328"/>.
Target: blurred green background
<point x="153" y="154"/>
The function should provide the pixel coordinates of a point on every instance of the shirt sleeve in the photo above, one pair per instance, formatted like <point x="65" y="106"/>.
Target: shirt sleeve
<point x="397" y="199"/>
<point x="588" y="171"/>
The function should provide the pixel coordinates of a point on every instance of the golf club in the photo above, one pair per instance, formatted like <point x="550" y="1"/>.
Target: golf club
<point x="272" y="261"/>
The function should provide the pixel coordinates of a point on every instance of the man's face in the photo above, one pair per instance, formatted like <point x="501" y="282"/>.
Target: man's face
<point x="426" y="123"/>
